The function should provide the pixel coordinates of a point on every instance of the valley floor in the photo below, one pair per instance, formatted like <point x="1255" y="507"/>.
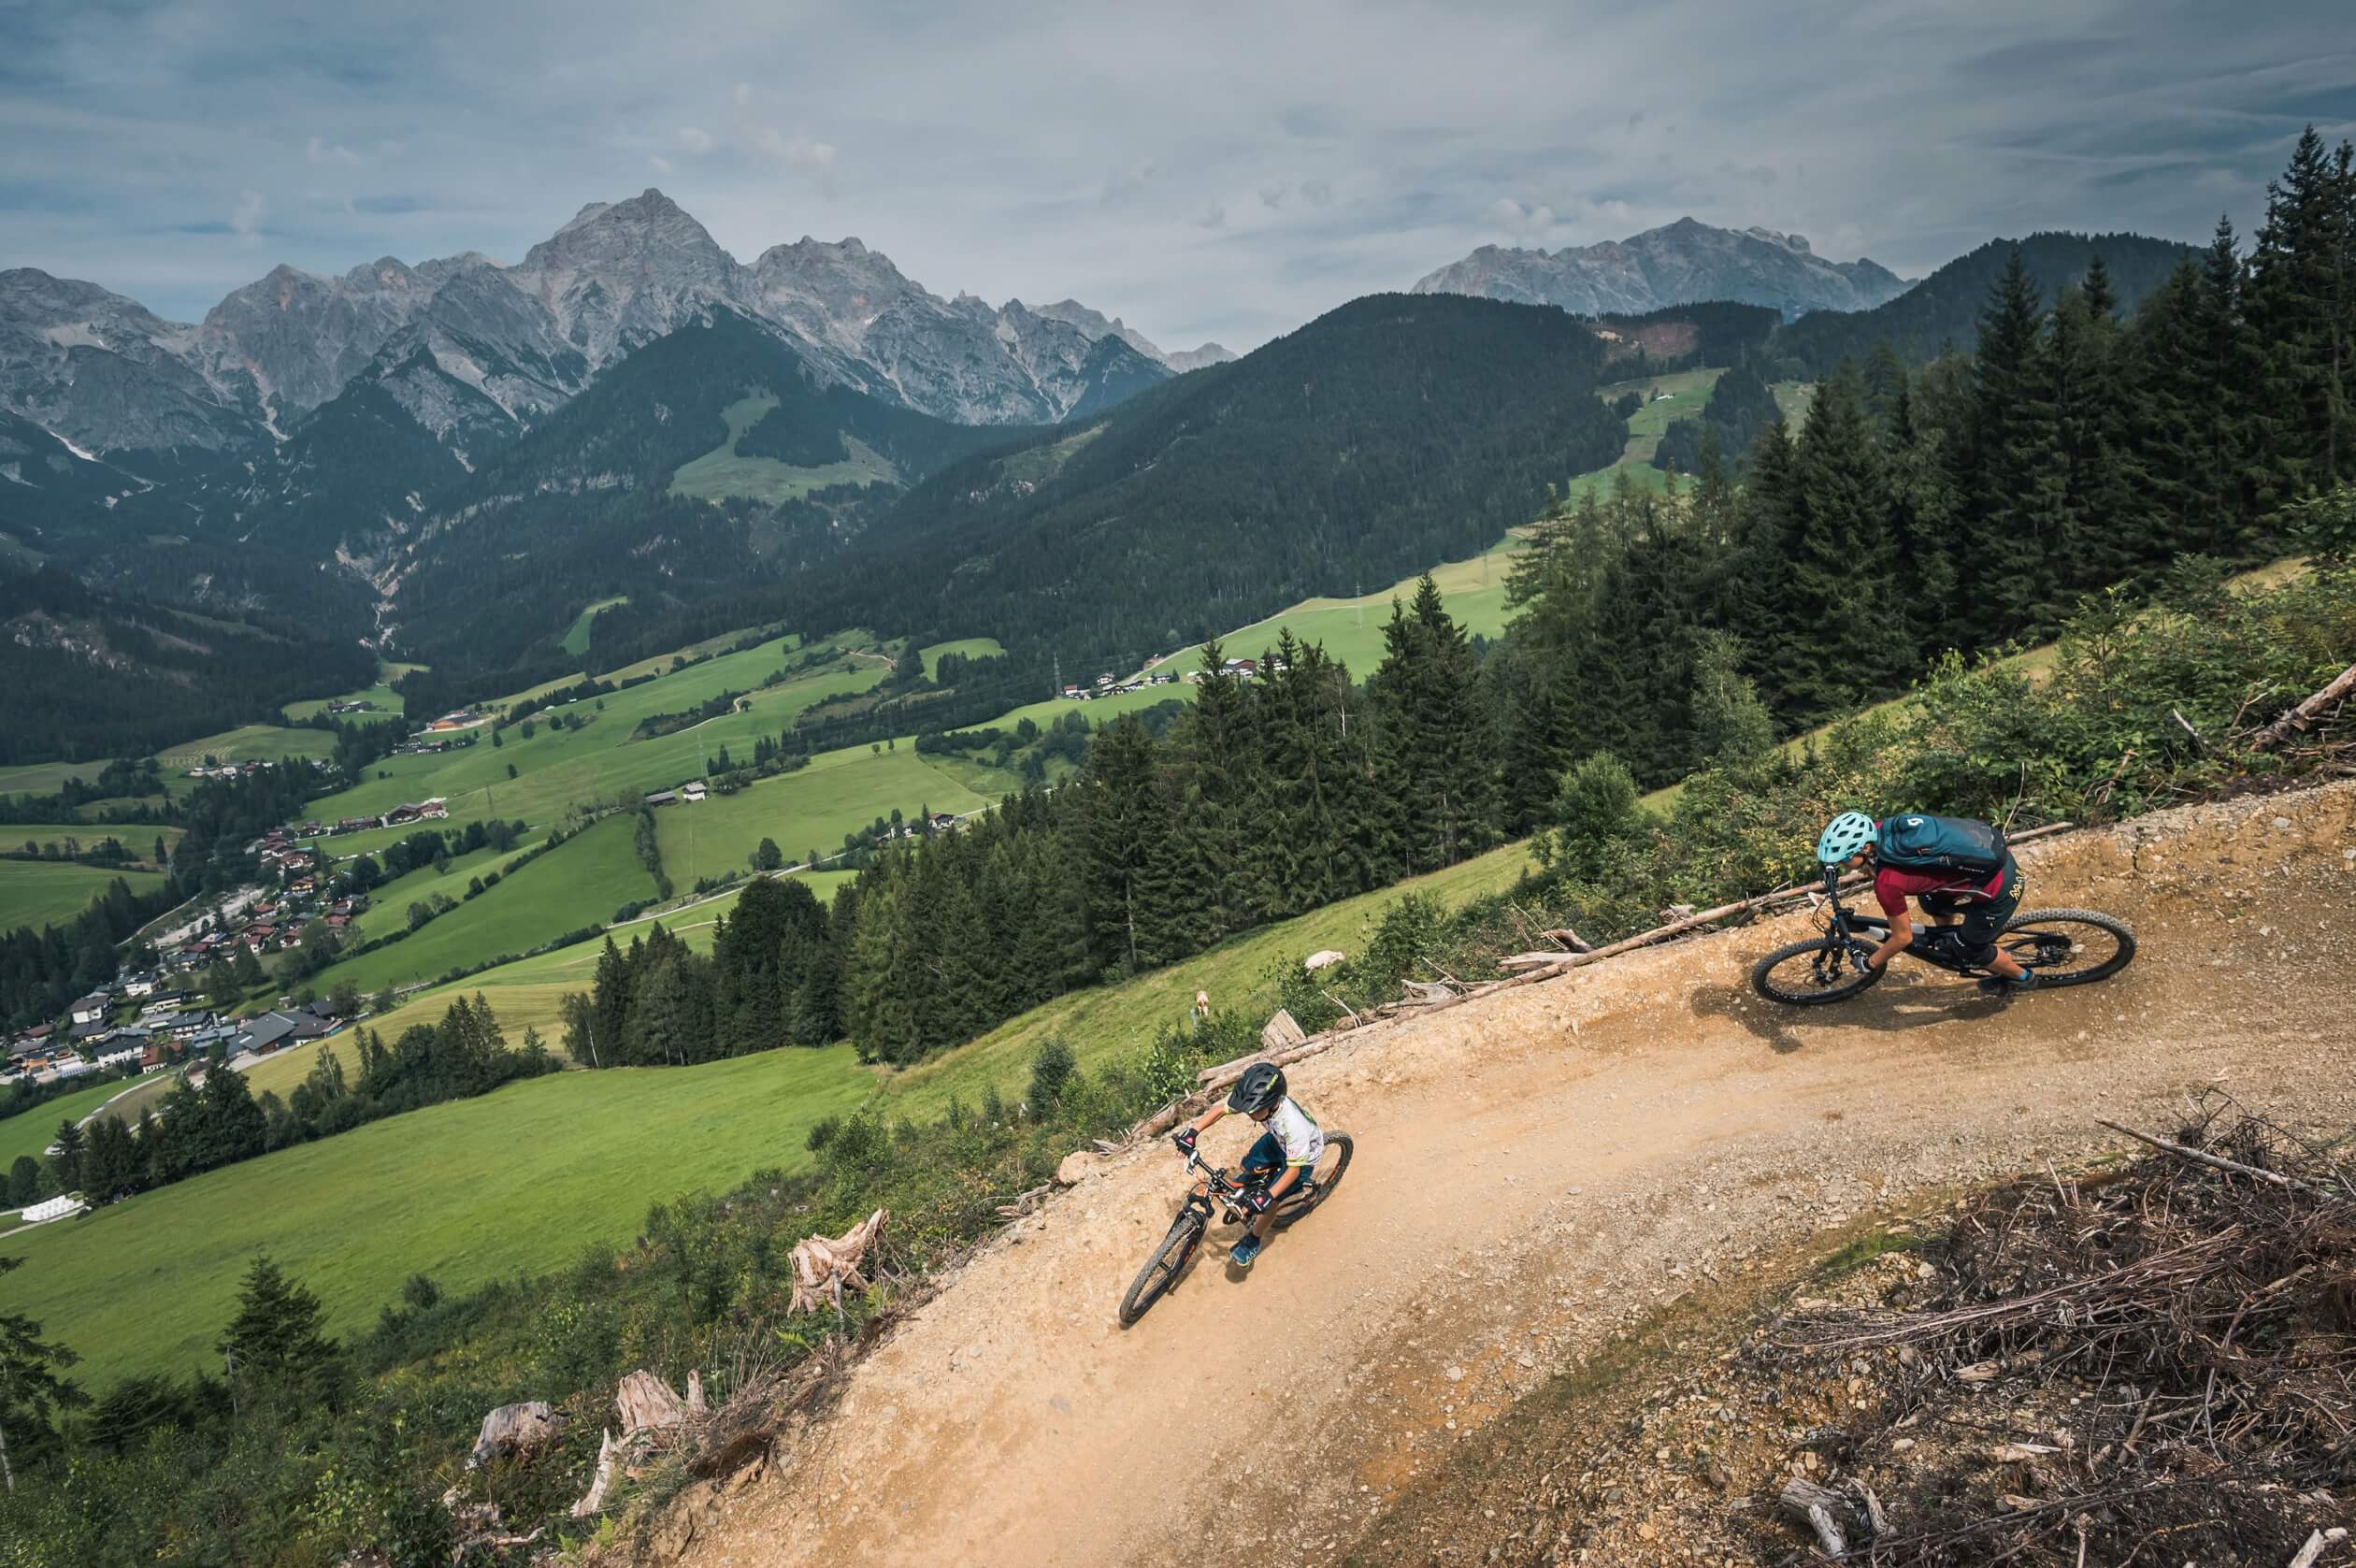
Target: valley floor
<point x="1533" y="1173"/>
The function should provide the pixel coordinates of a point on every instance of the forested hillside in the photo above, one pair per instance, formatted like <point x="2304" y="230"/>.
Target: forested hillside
<point x="1942" y="311"/>
<point x="1395" y="431"/>
<point x="91" y="674"/>
<point x="582" y="509"/>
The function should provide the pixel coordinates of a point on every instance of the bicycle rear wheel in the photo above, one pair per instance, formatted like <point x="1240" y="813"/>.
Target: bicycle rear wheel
<point x="2068" y="947"/>
<point x="1323" y="1180"/>
<point x="1810" y="974"/>
<point x="1161" y="1270"/>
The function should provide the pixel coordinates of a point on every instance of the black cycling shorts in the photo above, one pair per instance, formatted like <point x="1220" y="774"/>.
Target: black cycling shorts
<point x="1982" y="922"/>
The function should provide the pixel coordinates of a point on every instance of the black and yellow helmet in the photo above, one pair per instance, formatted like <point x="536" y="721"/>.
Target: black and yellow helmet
<point x="1260" y="1087"/>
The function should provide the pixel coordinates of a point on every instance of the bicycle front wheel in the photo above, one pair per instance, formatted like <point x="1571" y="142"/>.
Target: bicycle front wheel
<point x="2068" y="947"/>
<point x="1161" y="1270"/>
<point x="1810" y="974"/>
<point x="1324" y="1179"/>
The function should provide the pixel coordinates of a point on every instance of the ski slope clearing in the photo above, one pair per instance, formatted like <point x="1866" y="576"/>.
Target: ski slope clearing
<point x="1534" y="1171"/>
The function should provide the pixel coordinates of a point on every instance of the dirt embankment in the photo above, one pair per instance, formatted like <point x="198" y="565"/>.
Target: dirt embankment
<point x="1536" y="1173"/>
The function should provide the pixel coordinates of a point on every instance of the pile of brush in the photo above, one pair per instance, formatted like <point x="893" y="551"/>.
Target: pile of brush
<point x="2157" y="1366"/>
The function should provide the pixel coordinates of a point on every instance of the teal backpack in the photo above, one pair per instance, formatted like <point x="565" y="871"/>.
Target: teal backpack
<point x="1915" y="843"/>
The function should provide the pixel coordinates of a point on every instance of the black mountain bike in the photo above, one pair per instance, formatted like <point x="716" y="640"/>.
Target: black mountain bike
<point x="1219" y="1195"/>
<point x="2060" y="947"/>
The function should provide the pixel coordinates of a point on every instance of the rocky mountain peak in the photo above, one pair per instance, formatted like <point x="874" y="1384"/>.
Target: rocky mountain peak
<point x="1681" y="263"/>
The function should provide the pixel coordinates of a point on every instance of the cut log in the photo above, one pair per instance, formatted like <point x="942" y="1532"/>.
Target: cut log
<point x="1569" y="938"/>
<point x="1323" y="958"/>
<point x="514" y="1431"/>
<point x="646" y="1404"/>
<point x="2308" y="1553"/>
<point x="696" y="1410"/>
<point x="2341" y="686"/>
<point x="1813" y="1505"/>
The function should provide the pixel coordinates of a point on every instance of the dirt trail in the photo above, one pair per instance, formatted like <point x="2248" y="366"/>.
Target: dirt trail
<point x="1531" y="1171"/>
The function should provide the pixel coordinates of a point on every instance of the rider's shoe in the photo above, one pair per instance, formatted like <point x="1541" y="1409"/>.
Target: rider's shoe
<point x="1241" y="1254"/>
<point x="1997" y="985"/>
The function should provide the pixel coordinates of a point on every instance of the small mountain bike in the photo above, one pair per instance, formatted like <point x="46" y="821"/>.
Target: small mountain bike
<point x="2060" y="947"/>
<point x="1218" y="1195"/>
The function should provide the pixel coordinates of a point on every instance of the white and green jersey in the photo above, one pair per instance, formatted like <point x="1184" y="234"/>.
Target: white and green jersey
<point x="1300" y="1137"/>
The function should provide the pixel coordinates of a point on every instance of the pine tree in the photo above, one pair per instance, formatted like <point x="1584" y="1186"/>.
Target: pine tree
<point x="31" y="1390"/>
<point x="1838" y="592"/>
<point x="2299" y="305"/>
<point x="274" y="1346"/>
<point x="2018" y="529"/>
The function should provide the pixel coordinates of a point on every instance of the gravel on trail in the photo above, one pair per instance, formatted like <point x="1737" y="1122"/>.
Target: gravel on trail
<point x="1538" y="1175"/>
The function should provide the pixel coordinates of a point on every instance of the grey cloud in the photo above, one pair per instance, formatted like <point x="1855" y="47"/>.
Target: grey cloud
<point x="1046" y="150"/>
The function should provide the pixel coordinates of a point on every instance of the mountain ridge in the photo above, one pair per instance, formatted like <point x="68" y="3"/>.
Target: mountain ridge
<point x="1683" y="263"/>
<point x="100" y="369"/>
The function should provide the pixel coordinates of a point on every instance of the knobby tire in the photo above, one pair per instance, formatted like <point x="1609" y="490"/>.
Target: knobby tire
<point x="1329" y="1177"/>
<point x="1161" y="1270"/>
<point x="2029" y="921"/>
<point x="1806" y="993"/>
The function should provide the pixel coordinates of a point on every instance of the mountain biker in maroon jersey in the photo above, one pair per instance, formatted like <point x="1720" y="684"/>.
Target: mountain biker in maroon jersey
<point x="1973" y="905"/>
<point x="1285" y="1153"/>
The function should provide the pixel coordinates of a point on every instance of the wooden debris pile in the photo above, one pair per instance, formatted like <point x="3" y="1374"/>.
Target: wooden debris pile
<point x="2167" y="1356"/>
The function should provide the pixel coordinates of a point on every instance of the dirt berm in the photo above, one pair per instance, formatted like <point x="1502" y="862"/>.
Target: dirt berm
<point x="1534" y="1171"/>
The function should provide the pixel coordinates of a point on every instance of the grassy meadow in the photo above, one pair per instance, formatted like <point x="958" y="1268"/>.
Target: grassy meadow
<point x="253" y="742"/>
<point x="813" y="807"/>
<point x="576" y="638"/>
<point x="516" y="1182"/>
<point x="28" y="1133"/>
<point x="722" y="472"/>
<point x="963" y="647"/>
<point x="38" y="893"/>
<point x="578" y="882"/>
<point x="45" y="778"/>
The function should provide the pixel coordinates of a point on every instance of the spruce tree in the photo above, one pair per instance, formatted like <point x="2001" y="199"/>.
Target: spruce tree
<point x="31" y="1389"/>
<point x="275" y="1347"/>
<point x="2017" y="522"/>
<point x="1838" y="596"/>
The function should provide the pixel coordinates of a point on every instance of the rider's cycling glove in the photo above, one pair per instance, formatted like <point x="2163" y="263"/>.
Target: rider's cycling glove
<point x="1258" y="1200"/>
<point x="1185" y="1139"/>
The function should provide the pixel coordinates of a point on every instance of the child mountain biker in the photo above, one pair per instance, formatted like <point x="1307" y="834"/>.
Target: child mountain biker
<point x="1286" y="1151"/>
<point x="1972" y="904"/>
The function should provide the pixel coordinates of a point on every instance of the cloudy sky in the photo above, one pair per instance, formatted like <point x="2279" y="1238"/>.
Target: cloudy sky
<point x="1205" y="170"/>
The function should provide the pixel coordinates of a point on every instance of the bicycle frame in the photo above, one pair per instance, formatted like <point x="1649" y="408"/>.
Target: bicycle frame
<point x="1843" y="923"/>
<point x="1229" y="1191"/>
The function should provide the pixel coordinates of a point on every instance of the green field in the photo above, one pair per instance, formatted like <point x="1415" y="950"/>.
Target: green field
<point x="839" y="792"/>
<point x="46" y="778"/>
<point x="31" y="1132"/>
<point x="253" y="742"/>
<point x="521" y="1180"/>
<point x="598" y="760"/>
<point x="720" y="472"/>
<point x="39" y="893"/>
<point x="530" y="991"/>
<point x="576" y="638"/>
<point x="577" y="883"/>
<point x="388" y="902"/>
<point x="384" y="699"/>
<point x="965" y="647"/>
<point x="517" y="1182"/>
<point x="139" y="838"/>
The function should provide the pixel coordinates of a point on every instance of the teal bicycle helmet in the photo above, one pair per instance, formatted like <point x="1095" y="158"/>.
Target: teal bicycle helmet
<point x="1844" y="837"/>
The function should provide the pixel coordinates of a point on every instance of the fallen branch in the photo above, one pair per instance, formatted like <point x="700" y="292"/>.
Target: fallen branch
<point x="2340" y="686"/>
<point x="2219" y="1162"/>
<point x="1813" y="1505"/>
